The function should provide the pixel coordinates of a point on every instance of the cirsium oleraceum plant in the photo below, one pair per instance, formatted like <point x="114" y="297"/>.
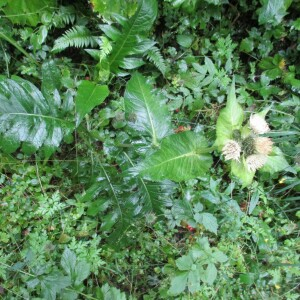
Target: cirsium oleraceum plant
<point x="245" y="146"/>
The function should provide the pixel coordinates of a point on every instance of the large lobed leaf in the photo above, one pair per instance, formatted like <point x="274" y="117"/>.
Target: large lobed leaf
<point x="230" y="118"/>
<point x="273" y="11"/>
<point x="27" y="12"/>
<point x="28" y="119"/>
<point x="34" y="119"/>
<point x="145" y="112"/>
<point x="181" y="157"/>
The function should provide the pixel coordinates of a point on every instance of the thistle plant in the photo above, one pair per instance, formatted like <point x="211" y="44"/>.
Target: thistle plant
<point x="253" y="148"/>
<point x="243" y="145"/>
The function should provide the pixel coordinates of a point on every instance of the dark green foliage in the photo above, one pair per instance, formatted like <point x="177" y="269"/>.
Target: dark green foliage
<point x="77" y="36"/>
<point x="118" y="184"/>
<point x="131" y="39"/>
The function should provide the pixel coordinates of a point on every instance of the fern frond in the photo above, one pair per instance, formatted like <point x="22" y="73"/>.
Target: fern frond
<point x="77" y="36"/>
<point x="154" y="55"/>
<point x="105" y="46"/>
<point x="66" y="15"/>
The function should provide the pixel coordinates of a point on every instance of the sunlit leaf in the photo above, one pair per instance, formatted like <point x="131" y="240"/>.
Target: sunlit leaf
<point x="230" y="118"/>
<point x="181" y="157"/>
<point x="144" y="111"/>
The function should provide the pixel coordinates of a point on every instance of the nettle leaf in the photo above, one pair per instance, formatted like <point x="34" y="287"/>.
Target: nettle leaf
<point x="111" y="293"/>
<point x="208" y="221"/>
<point x="52" y="284"/>
<point x="181" y="156"/>
<point x="77" y="270"/>
<point x="273" y="11"/>
<point x="184" y="263"/>
<point x="211" y="274"/>
<point x="178" y="283"/>
<point x="129" y="38"/>
<point x="68" y="261"/>
<point x="194" y="279"/>
<point x="89" y="95"/>
<point x="28" y="119"/>
<point x="144" y="111"/>
<point x="231" y="117"/>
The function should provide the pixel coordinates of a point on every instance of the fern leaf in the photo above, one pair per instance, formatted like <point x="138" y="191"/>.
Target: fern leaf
<point x="154" y="55"/>
<point x="77" y="36"/>
<point x="66" y="15"/>
<point x="105" y="47"/>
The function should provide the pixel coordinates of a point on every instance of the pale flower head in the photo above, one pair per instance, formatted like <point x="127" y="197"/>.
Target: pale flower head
<point x="232" y="150"/>
<point x="263" y="145"/>
<point x="256" y="161"/>
<point x="258" y="124"/>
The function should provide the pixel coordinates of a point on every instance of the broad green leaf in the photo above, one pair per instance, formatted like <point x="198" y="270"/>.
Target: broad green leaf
<point x="69" y="295"/>
<point x="130" y="63"/>
<point x="185" y="40"/>
<point x="140" y="23"/>
<point x="51" y="79"/>
<point x="219" y="256"/>
<point x="89" y="95"/>
<point x="273" y="11"/>
<point x="184" y="263"/>
<point x="276" y="162"/>
<point x="247" y="45"/>
<point x="68" y="261"/>
<point x="208" y="220"/>
<point x="211" y="274"/>
<point x="208" y="195"/>
<point x="181" y="157"/>
<point x="52" y="284"/>
<point x="81" y="272"/>
<point x="178" y="283"/>
<point x="230" y="118"/>
<point x="253" y="202"/>
<point x="28" y="119"/>
<point x="210" y="66"/>
<point x="32" y="283"/>
<point x="240" y="170"/>
<point x="27" y="12"/>
<point x="154" y="195"/>
<point x="247" y="278"/>
<point x="144" y="111"/>
<point x="111" y="293"/>
<point x="194" y="279"/>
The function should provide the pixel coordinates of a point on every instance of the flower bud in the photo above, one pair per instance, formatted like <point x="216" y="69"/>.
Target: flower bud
<point x="232" y="150"/>
<point x="263" y="145"/>
<point x="258" y="124"/>
<point x="256" y="161"/>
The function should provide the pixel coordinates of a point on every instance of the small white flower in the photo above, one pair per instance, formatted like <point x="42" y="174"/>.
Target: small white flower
<point x="232" y="150"/>
<point x="258" y="124"/>
<point x="256" y="161"/>
<point x="263" y="145"/>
